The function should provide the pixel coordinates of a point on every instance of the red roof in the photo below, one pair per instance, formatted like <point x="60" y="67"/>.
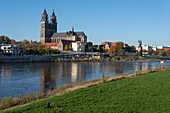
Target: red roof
<point x="50" y="44"/>
<point x="78" y="41"/>
<point x="166" y="48"/>
<point x="110" y="43"/>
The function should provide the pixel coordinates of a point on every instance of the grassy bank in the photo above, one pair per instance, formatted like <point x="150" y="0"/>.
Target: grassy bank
<point x="145" y="93"/>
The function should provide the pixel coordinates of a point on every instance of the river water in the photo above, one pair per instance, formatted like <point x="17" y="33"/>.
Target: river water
<point x="21" y="78"/>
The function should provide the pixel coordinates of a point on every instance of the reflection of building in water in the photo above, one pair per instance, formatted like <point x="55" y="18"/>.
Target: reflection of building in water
<point x="118" y="67"/>
<point x="5" y="70"/>
<point x="78" y="71"/>
<point x="113" y="67"/>
<point x="142" y="66"/>
<point x="47" y="77"/>
<point x="74" y="72"/>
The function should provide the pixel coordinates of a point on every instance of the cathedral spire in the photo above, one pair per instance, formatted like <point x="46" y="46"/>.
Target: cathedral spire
<point x="45" y="16"/>
<point x="45" y="13"/>
<point x="53" y="14"/>
<point x="72" y="29"/>
<point x="53" y="18"/>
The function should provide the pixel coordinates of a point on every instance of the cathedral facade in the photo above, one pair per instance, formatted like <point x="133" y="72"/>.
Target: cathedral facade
<point x="49" y="32"/>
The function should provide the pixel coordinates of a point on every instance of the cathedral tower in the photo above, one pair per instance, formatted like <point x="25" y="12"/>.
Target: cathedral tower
<point x="47" y="29"/>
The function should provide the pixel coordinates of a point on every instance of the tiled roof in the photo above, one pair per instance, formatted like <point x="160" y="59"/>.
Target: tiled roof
<point x="111" y="43"/>
<point x="59" y="35"/>
<point x="50" y="44"/>
<point x="64" y="34"/>
<point x="79" y="33"/>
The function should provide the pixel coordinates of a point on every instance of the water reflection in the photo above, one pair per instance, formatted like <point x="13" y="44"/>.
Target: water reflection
<point x="47" y="77"/>
<point x="20" y="78"/>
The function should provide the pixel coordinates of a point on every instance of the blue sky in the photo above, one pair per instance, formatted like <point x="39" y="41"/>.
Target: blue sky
<point x="101" y="20"/>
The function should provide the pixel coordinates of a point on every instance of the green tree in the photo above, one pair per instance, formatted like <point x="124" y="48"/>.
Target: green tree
<point x="160" y="53"/>
<point x="140" y="53"/>
<point x="131" y="49"/>
<point x="168" y="53"/>
<point x="5" y="40"/>
<point x="95" y="48"/>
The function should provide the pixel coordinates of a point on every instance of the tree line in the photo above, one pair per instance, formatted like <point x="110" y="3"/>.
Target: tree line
<point x="31" y="47"/>
<point x="120" y="50"/>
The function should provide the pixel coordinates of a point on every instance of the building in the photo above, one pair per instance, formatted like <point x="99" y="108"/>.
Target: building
<point x="166" y="48"/>
<point x="51" y="45"/>
<point x="12" y="49"/>
<point x="78" y="46"/>
<point x="49" y="32"/>
<point x="149" y="48"/>
<point x="139" y="46"/>
<point x="62" y="45"/>
<point x="107" y="45"/>
<point x="89" y="47"/>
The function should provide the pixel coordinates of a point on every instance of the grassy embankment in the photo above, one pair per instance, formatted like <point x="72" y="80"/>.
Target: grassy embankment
<point x="145" y="93"/>
<point x="115" y="58"/>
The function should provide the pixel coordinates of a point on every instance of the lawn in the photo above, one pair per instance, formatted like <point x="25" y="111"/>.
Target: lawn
<point x="144" y="93"/>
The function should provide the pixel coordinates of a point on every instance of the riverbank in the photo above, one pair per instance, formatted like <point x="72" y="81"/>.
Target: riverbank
<point x="84" y="85"/>
<point x="69" y="58"/>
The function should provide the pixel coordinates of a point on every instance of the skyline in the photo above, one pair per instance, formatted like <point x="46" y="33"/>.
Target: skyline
<point x="127" y="21"/>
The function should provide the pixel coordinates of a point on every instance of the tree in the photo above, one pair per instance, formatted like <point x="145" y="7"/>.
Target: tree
<point x="121" y="52"/>
<point x="70" y="46"/>
<point x="5" y="40"/>
<point x="131" y="49"/>
<point x="13" y="41"/>
<point x="1" y="39"/>
<point x="153" y="54"/>
<point x="119" y="45"/>
<point x="66" y="47"/>
<point x="95" y="48"/>
<point x="160" y="53"/>
<point x="140" y="53"/>
<point x="112" y="51"/>
<point x="168" y="53"/>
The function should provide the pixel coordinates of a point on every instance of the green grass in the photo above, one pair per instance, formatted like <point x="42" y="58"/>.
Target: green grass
<point x="144" y="93"/>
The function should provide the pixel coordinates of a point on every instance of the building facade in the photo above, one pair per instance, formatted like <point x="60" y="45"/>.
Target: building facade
<point x="78" y="46"/>
<point x="14" y="50"/>
<point x="49" y="32"/>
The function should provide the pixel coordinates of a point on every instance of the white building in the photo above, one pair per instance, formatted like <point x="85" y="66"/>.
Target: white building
<point x="78" y="46"/>
<point x="148" y="48"/>
<point x="160" y="47"/>
<point x="13" y="49"/>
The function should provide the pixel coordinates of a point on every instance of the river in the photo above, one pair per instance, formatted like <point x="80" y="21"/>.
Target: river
<point x="21" y="78"/>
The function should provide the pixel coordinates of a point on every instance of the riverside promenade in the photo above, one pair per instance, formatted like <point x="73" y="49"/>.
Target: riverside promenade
<point x="45" y="58"/>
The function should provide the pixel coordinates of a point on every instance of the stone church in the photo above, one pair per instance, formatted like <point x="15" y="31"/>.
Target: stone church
<point x="49" y="32"/>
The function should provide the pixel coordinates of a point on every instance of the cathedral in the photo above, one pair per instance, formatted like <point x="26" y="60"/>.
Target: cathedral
<point x="49" y="32"/>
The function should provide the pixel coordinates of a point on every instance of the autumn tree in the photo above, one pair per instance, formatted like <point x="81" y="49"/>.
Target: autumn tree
<point x="112" y="51"/>
<point x="66" y="47"/>
<point x="70" y="46"/>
